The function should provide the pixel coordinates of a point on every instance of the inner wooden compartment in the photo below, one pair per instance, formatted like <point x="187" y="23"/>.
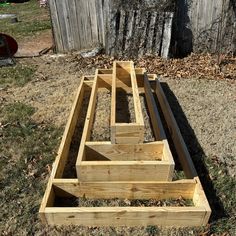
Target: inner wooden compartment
<point x="125" y="129"/>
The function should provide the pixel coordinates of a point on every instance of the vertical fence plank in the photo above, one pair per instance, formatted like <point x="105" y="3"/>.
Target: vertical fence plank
<point x="121" y="34"/>
<point x="56" y="26"/>
<point x="130" y="26"/>
<point x="166" y="34"/>
<point x="72" y="9"/>
<point x="61" y="13"/>
<point x="80" y="24"/>
<point x="92" y="22"/>
<point x="150" y="33"/>
<point x="143" y="31"/>
<point x="135" y="37"/>
<point x="158" y="34"/>
<point x="99" y="8"/>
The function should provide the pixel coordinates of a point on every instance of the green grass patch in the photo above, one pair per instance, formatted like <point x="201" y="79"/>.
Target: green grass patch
<point x="26" y="148"/>
<point x="32" y="19"/>
<point x="225" y="189"/>
<point x="220" y="189"/>
<point x="17" y="112"/>
<point x="24" y="29"/>
<point x="17" y="75"/>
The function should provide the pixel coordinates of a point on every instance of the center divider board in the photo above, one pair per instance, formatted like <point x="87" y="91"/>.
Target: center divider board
<point x="105" y="80"/>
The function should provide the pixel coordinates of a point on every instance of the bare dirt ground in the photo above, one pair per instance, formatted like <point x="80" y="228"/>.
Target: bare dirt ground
<point x="34" y="45"/>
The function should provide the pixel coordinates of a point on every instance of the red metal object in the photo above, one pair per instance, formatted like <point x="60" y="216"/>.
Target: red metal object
<point x="8" y="46"/>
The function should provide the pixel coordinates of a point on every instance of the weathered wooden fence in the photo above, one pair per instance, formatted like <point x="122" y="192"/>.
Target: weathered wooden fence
<point x="138" y="33"/>
<point x="205" y="26"/>
<point x="77" y="24"/>
<point x="121" y="29"/>
<point x="137" y="27"/>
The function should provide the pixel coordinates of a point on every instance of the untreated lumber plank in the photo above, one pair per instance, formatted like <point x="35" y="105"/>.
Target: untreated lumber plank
<point x="105" y="80"/>
<point x="105" y="71"/>
<point x="137" y="103"/>
<point x="127" y="190"/>
<point x="88" y="122"/>
<point x="167" y="156"/>
<point x="59" y="163"/>
<point x="125" y="216"/>
<point x="68" y="133"/>
<point x="128" y="130"/>
<point x="200" y="199"/>
<point x="47" y="201"/>
<point x="124" y="170"/>
<point x="113" y="104"/>
<point x="182" y="151"/>
<point x="153" y="111"/>
<point x="127" y="152"/>
<point x="183" y="154"/>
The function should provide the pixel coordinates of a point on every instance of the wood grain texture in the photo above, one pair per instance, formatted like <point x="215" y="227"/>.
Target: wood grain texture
<point x="200" y="199"/>
<point x="154" y="113"/>
<point x="126" y="152"/>
<point x="181" y="149"/>
<point x="127" y="190"/>
<point x="88" y="122"/>
<point x="166" y="37"/>
<point x="124" y="170"/>
<point x="62" y="155"/>
<point x="56" y="27"/>
<point x="125" y="216"/>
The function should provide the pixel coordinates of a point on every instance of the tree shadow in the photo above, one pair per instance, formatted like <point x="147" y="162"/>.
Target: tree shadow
<point x="197" y="154"/>
<point x="182" y="36"/>
<point x="233" y="3"/>
<point x="122" y="107"/>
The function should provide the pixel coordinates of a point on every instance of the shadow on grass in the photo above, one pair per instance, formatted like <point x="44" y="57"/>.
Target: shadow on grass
<point x="197" y="154"/>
